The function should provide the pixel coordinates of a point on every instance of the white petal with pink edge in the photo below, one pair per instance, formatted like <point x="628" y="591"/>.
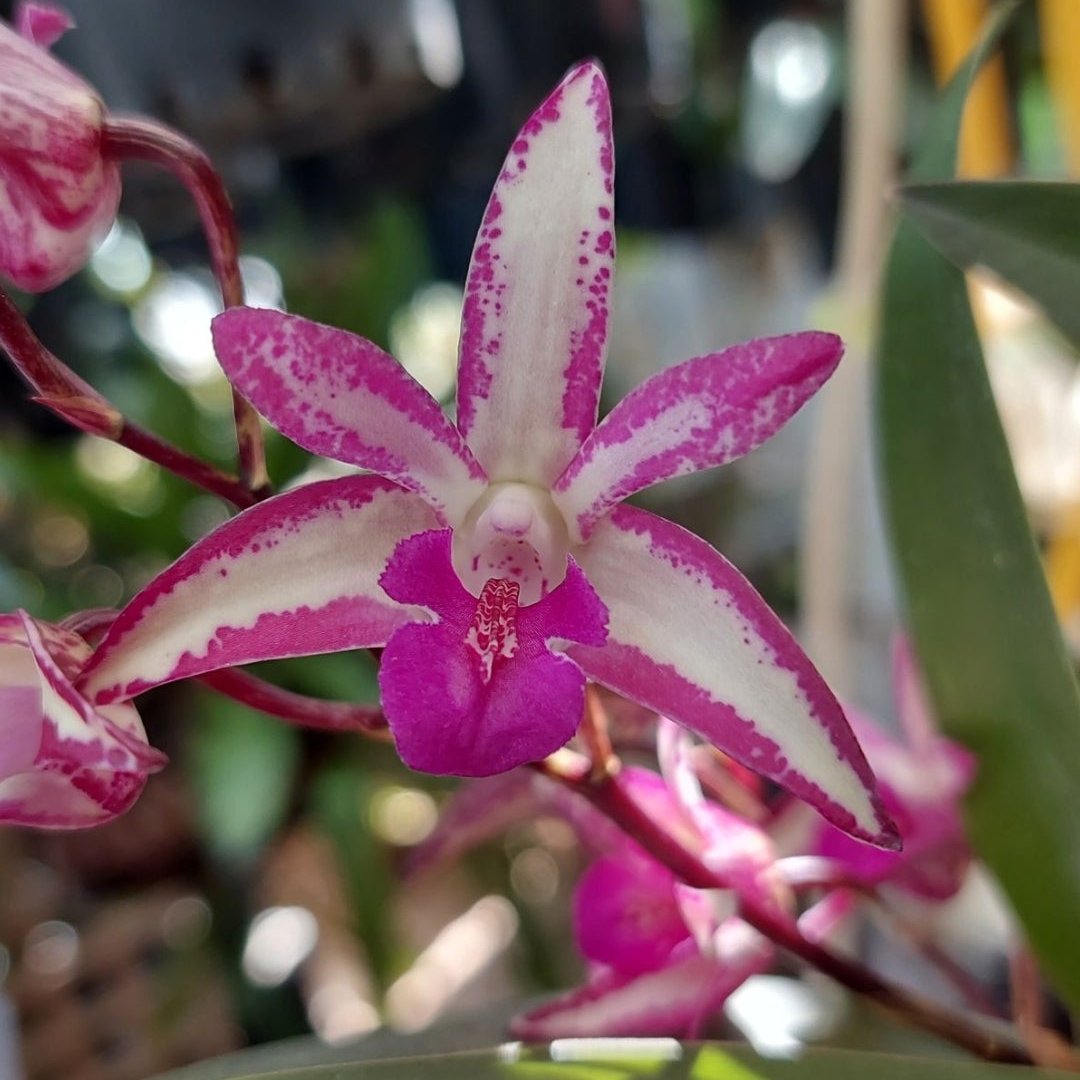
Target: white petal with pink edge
<point x="534" y="326"/>
<point x="295" y="575"/>
<point x="339" y="395"/>
<point x="690" y="638"/>
<point x="702" y="413"/>
<point x="63" y="764"/>
<point x="674" y="1000"/>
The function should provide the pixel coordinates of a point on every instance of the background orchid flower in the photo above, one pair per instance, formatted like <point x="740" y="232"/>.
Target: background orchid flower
<point x="922" y="780"/>
<point x="63" y="763"/>
<point x="58" y="192"/>
<point x="664" y="957"/>
<point x="492" y="558"/>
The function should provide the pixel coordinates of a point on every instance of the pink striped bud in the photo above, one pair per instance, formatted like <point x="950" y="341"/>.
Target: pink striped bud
<point x="58" y="193"/>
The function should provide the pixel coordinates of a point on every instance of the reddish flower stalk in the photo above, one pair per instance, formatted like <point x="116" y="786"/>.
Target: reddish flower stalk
<point x="61" y="390"/>
<point x="138" y="139"/>
<point x="594" y="732"/>
<point x="609" y="795"/>
<point x="296" y="708"/>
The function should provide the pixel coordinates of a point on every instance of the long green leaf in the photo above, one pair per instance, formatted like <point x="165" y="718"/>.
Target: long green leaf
<point x="1025" y="231"/>
<point x="975" y="593"/>
<point x="697" y="1062"/>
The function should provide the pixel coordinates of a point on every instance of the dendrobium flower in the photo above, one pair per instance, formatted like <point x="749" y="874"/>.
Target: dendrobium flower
<point x="663" y="957"/>
<point x="493" y="558"/>
<point x="63" y="763"/>
<point x="922" y="780"/>
<point x="58" y="192"/>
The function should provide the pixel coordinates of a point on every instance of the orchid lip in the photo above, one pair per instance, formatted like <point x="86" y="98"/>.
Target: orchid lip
<point x="513" y="532"/>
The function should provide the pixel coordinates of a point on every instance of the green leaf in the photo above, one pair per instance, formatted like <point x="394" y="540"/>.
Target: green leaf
<point x="621" y="1062"/>
<point x="1025" y="231"/>
<point x="975" y="594"/>
<point x="242" y="765"/>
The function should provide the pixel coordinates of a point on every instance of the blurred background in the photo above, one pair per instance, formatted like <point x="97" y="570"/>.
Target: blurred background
<point x="255" y="892"/>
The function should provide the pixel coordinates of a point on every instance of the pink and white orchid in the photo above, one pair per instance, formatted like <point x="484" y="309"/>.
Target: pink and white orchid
<point x="58" y="191"/>
<point x="663" y="957"/>
<point x="922" y="779"/>
<point x="493" y="559"/>
<point x="63" y="763"/>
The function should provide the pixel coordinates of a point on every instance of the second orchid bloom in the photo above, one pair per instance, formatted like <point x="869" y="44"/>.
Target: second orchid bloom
<point x="493" y="559"/>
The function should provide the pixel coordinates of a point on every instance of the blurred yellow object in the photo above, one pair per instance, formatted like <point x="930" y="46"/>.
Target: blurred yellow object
<point x="986" y="145"/>
<point x="1063" y="566"/>
<point x="1059" y="22"/>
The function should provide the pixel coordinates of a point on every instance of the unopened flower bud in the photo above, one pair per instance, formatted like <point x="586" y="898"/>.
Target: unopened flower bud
<point x="58" y="192"/>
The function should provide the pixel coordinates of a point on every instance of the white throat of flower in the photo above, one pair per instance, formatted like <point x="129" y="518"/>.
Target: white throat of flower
<point x="515" y="533"/>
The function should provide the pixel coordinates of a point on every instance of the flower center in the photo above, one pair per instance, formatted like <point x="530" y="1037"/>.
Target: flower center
<point x="494" y="627"/>
<point x="512" y="533"/>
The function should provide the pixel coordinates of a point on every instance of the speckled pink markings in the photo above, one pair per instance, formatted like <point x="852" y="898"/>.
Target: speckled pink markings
<point x="295" y="575"/>
<point x="700" y="414"/>
<point x="534" y="326"/>
<point x="339" y="395"/>
<point x="691" y="638"/>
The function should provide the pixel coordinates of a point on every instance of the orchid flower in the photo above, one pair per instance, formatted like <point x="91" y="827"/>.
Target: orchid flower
<point x="58" y="192"/>
<point x="922" y="780"/>
<point x="493" y="559"/>
<point x="63" y="763"/>
<point x="664" y="957"/>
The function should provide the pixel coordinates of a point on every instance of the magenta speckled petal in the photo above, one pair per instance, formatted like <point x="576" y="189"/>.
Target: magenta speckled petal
<point x="339" y="395"/>
<point x="43" y="24"/>
<point x="450" y="716"/>
<point x="672" y="1001"/>
<point x="295" y="575"/>
<point x="58" y="195"/>
<point x="626" y="914"/>
<point x="534" y="326"/>
<point x="690" y="638"/>
<point x="702" y="413"/>
<point x="68" y="766"/>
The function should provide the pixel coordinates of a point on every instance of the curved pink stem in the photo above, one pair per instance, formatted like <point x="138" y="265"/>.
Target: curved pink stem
<point x="296" y="708"/>
<point x="76" y="401"/>
<point x="139" y="139"/>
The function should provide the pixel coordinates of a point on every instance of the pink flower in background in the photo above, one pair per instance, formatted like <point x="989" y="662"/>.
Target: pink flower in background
<point x="58" y="193"/>
<point x="493" y="558"/>
<point x="922" y="780"/>
<point x="63" y="763"/>
<point x="663" y="957"/>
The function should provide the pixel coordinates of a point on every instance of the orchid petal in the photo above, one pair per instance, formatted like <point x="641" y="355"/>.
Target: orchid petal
<point x="702" y="413"/>
<point x="921" y="789"/>
<point x="339" y="395"/>
<point x="534" y="326"/>
<point x="58" y="194"/>
<point x="690" y="638"/>
<point x="626" y="914"/>
<point x="671" y="1001"/>
<point x="292" y="576"/>
<point x="447" y="714"/>
<point x="63" y="764"/>
<point x="43" y="24"/>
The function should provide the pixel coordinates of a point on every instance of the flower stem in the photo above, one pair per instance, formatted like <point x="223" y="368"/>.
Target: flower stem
<point x="296" y="708"/>
<point x="610" y="795"/>
<point x="140" y="139"/>
<point x="593" y="732"/>
<point x="62" y="391"/>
